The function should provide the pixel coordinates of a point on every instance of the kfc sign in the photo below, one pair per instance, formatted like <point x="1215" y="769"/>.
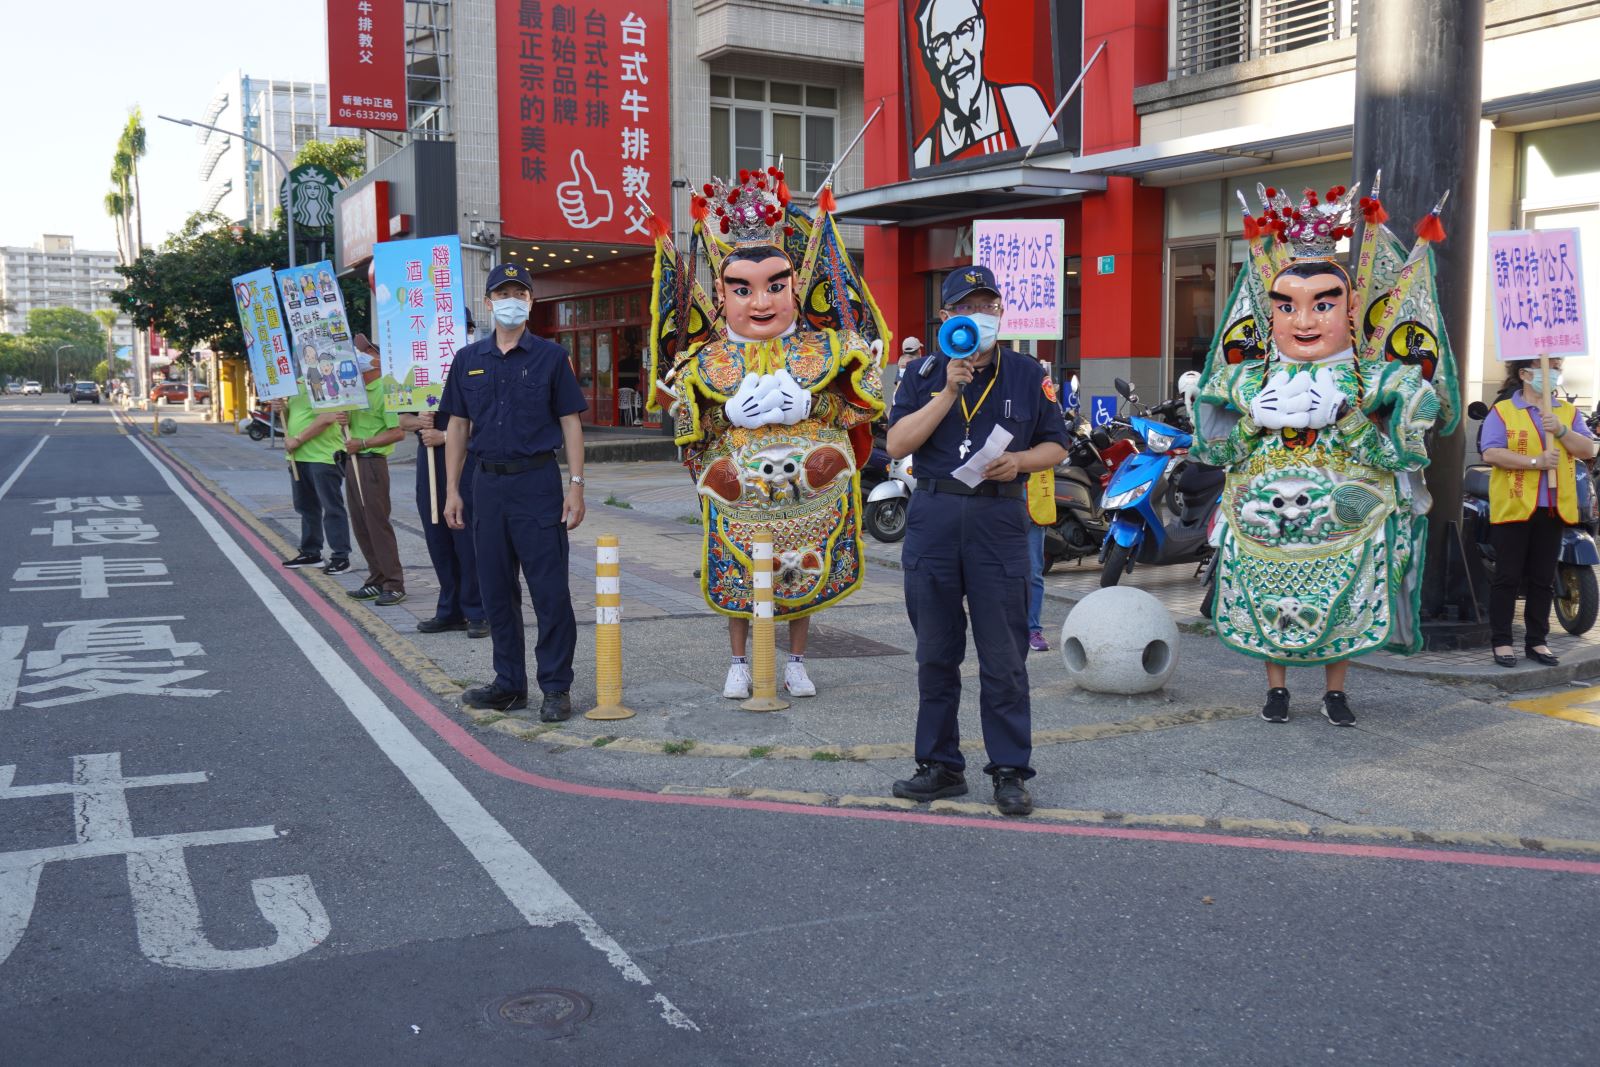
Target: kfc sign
<point x="981" y="78"/>
<point x="584" y="118"/>
<point x="363" y="222"/>
<point x="367" y="64"/>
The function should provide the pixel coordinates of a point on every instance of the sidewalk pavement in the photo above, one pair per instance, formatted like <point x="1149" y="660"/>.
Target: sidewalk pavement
<point x="1436" y="756"/>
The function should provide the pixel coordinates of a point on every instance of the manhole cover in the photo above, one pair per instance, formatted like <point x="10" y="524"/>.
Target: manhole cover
<point x="827" y="642"/>
<point x="548" y="1012"/>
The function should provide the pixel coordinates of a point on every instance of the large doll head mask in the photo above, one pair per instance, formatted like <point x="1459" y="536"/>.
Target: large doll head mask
<point x="757" y="293"/>
<point x="1311" y="310"/>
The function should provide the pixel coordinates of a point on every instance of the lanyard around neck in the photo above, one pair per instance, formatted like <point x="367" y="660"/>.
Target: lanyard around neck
<point x="972" y="414"/>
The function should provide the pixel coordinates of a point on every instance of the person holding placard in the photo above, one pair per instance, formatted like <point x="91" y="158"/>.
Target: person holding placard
<point x="372" y="434"/>
<point x="1526" y="445"/>
<point x="313" y="443"/>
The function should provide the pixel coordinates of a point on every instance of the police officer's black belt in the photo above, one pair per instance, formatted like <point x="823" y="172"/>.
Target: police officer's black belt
<point x="516" y="466"/>
<point x="950" y="485"/>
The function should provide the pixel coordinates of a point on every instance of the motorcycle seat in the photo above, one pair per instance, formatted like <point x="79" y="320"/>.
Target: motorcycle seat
<point x="1476" y="481"/>
<point x="1200" y="478"/>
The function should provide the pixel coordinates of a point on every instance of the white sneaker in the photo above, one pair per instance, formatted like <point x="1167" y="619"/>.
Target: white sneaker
<point x="796" y="681"/>
<point x="737" y="687"/>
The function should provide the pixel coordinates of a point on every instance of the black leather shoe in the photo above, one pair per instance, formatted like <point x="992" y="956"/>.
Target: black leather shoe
<point x="933" y="781"/>
<point x="493" y="698"/>
<point x="477" y="627"/>
<point x="1544" y="659"/>
<point x="1507" y="660"/>
<point x="1277" y="709"/>
<point x="437" y="625"/>
<point x="1337" y="709"/>
<point x="557" y="707"/>
<point x="1010" y="795"/>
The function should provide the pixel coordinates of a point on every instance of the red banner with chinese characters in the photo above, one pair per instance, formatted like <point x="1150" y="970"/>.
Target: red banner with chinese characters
<point x="584" y="121"/>
<point x="367" y="64"/>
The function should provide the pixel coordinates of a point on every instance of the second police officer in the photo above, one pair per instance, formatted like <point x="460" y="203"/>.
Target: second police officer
<point x="513" y="400"/>
<point x="972" y="543"/>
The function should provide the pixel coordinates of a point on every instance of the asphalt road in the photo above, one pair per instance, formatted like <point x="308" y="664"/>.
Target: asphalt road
<point x="363" y="880"/>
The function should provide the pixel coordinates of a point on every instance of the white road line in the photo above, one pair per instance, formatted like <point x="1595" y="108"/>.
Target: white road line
<point x="529" y="887"/>
<point x="9" y="482"/>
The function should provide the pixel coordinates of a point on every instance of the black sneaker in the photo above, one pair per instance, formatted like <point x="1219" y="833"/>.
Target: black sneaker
<point x="1010" y="795"/>
<point x="438" y="625"/>
<point x="304" y="559"/>
<point x="1277" y="709"/>
<point x="477" y="627"/>
<point x="390" y="597"/>
<point x="336" y="566"/>
<point x="933" y="781"/>
<point x="1337" y="709"/>
<point x="366" y="592"/>
<point x="493" y="698"/>
<point x="557" y="707"/>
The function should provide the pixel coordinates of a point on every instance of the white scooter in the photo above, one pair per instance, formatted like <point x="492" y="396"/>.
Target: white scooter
<point x="885" y="513"/>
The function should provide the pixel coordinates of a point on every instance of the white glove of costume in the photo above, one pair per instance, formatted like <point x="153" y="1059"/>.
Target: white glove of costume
<point x="1326" y="399"/>
<point x="788" y="402"/>
<point x="1283" y="402"/>
<point x="745" y="407"/>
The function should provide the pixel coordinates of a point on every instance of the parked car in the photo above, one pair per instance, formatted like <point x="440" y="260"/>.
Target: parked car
<point x="85" y="391"/>
<point x="31" y="389"/>
<point x="177" y="392"/>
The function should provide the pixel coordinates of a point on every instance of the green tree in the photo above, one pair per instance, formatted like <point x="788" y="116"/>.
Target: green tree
<point x="51" y="328"/>
<point x="182" y="290"/>
<point x="345" y="156"/>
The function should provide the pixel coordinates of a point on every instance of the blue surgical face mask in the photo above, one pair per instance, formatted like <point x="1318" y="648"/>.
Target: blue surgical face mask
<point x="509" y="312"/>
<point x="1537" y="382"/>
<point x="988" y="329"/>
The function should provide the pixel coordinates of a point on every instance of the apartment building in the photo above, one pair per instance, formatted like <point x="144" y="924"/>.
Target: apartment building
<point x="55" y="273"/>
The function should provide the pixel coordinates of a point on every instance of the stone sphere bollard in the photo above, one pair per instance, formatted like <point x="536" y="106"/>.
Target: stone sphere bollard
<point x="1119" y="640"/>
<point x="169" y="426"/>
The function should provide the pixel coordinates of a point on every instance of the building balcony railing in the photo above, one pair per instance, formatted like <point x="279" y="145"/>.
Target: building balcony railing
<point x="1207" y="34"/>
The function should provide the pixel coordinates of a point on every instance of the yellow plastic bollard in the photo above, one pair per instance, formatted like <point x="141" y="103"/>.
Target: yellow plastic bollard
<point x="608" y="632"/>
<point x="763" y="642"/>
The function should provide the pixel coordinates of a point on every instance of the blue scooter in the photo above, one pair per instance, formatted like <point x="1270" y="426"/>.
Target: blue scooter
<point x="1142" y="531"/>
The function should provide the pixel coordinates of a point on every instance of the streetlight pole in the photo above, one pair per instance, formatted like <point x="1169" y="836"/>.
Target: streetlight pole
<point x="60" y="349"/>
<point x="288" y="187"/>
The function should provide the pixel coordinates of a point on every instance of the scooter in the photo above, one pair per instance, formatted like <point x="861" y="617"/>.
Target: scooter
<point x="1577" y="599"/>
<point x="1139" y="532"/>
<point x="887" y="504"/>
<point x="263" y="422"/>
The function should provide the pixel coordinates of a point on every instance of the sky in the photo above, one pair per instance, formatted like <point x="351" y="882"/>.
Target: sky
<point x="71" y="72"/>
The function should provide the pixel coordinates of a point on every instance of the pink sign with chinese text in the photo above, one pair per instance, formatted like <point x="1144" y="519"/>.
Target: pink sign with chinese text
<point x="1025" y="255"/>
<point x="1536" y="289"/>
<point x="420" y="312"/>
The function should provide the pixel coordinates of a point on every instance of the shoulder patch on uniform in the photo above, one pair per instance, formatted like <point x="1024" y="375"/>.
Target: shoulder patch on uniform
<point x="470" y="373"/>
<point x="1049" y="390"/>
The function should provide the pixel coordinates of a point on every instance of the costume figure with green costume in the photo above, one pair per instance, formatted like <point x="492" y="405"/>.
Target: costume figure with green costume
<point x="1321" y="420"/>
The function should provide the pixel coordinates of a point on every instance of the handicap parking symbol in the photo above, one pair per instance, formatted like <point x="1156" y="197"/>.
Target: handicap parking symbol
<point x="1102" y="410"/>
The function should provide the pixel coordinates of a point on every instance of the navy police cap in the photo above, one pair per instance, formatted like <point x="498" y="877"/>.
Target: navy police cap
<point x="508" y="272"/>
<point x="959" y="283"/>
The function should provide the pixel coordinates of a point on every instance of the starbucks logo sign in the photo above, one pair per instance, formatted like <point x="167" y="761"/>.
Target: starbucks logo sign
<point x="313" y="186"/>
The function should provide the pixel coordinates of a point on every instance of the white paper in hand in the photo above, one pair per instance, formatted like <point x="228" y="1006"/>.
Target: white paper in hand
<point x="971" y="472"/>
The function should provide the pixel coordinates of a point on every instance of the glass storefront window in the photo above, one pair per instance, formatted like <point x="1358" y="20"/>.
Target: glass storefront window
<point x="602" y="309"/>
<point x="1192" y="306"/>
<point x="1194" y="210"/>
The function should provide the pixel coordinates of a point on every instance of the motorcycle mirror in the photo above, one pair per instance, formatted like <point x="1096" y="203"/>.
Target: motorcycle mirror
<point x="1100" y="439"/>
<point x="1074" y="385"/>
<point x="1124" y="389"/>
<point x="1477" y="410"/>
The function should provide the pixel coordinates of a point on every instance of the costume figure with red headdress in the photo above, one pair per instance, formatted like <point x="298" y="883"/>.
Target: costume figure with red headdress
<point x="1318" y="395"/>
<point x="773" y="390"/>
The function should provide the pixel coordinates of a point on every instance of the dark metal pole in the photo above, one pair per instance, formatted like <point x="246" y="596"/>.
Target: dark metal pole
<point x="1419" y="89"/>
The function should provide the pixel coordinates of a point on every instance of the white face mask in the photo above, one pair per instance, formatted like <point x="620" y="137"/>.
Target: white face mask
<point x="365" y="361"/>
<point x="509" y="312"/>
<point x="1537" y="384"/>
<point x="988" y="329"/>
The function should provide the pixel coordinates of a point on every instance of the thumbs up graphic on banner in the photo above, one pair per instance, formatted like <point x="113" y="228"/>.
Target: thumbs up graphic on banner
<point x="584" y="204"/>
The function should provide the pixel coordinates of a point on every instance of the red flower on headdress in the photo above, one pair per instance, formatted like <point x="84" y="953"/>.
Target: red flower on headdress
<point x="1271" y="192"/>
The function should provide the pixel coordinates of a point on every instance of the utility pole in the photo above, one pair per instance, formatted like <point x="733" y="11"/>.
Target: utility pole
<point x="60" y="349"/>
<point x="1419" y="92"/>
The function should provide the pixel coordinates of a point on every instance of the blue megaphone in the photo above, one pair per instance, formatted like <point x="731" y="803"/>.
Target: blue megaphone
<point x="958" y="337"/>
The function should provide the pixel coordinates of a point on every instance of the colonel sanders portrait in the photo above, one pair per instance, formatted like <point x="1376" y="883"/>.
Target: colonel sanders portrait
<point x="977" y="117"/>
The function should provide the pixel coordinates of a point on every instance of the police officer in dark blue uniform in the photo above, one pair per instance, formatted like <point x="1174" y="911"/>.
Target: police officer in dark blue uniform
<point x="972" y="542"/>
<point x="455" y="564"/>
<point x="513" y="400"/>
